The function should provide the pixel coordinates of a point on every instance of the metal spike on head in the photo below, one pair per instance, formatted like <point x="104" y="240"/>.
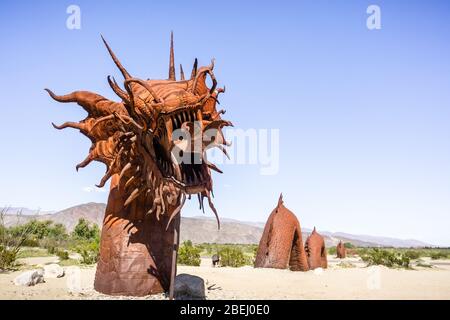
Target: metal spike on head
<point x="181" y="72"/>
<point x="124" y="72"/>
<point x="194" y="69"/>
<point x="280" y="200"/>
<point x="172" y="60"/>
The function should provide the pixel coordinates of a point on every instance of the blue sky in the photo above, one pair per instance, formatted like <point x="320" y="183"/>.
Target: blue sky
<point x="363" y="115"/>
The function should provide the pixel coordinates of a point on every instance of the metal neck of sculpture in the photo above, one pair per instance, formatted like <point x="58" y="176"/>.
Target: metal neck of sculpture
<point x="153" y="143"/>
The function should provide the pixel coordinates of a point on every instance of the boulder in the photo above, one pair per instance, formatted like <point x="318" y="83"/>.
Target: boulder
<point x="73" y="279"/>
<point x="189" y="287"/>
<point x="29" y="278"/>
<point x="53" y="271"/>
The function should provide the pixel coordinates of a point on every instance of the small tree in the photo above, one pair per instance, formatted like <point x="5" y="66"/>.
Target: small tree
<point x="10" y="244"/>
<point x="58" y="232"/>
<point x="83" y="231"/>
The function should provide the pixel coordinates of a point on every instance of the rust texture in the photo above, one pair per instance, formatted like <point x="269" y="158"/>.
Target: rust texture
<point x="341" y="251"/>
<point x="316" y="251"/>
<point x="137" y="139"/>
<point x="281" y="244"/>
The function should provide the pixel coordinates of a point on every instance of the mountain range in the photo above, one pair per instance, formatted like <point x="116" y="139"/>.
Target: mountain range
<point x="204" y="229"/>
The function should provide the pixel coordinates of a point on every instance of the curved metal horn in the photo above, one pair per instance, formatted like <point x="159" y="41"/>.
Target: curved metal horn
<point x="209" y="71"/>
<point x="124" y="72"/>
<point x="122" y="94"/>
<point x="145" y="85"/>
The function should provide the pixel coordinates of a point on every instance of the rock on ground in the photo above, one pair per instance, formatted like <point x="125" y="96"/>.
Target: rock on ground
<point x="189" y="287"/>
<point x="53" y="271"/>
<point x="30" y="278"/>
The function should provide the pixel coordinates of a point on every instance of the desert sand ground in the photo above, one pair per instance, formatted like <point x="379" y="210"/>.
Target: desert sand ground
<point x="336" y="282"/>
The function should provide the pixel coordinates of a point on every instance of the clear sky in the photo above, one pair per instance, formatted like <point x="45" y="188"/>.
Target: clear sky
<point x="363" y="115"/>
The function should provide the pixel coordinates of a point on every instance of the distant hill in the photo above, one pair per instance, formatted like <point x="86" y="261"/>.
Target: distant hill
<point x="69" y="217"/>
<point x="27" y="211"/>
<point x="204" y="229"/>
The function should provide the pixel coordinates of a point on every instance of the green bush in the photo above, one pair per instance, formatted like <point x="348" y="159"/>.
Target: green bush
<point x="386" y="258"/>
<point x="233" y="256"/>
<point x="83" y="231"/>
<point x="62" y="254"/>
<point x="8" y="257"/>
<point x="412" y="254"/>
<point x="40" y="233"/>
<point x="11" y="242"/>
<point x="332" y="251"/>
<point x="349" y="245"/>
<point x="39" y="229"/>
<point x="438" y="255"/>
<point x="89" y="252"/>
<point x="188" y="254"/>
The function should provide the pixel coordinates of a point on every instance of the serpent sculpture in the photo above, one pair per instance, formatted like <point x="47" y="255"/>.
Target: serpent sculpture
<point x="316" y="251"/>
<point x="341" y="251"/>
<point x="153" y="144"/>
<point x="281" y="244"/>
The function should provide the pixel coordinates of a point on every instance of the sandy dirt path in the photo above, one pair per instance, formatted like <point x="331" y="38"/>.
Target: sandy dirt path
<point x="249" y="283"/>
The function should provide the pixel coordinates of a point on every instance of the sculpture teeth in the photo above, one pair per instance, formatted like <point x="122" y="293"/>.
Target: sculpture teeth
<point x="200" y="174"/>
<point x="194" y="176"/>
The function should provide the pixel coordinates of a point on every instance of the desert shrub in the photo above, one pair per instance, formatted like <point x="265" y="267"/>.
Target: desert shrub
<point x="233" y="256"/>
<point x="332" y="251"/>
<point x="8" y="257"/>
<point x="11" y="243"/>
<point x="188" y="254"/>
<point x="412" y="254"/>
<point x="362" y="251"/>
<point x="31" y="243"/>
<point x="39" y="229"/>
<point x="41" y="233"/>
<point x="58" y="232"/>
<point x="423" y="264"/>
<point x="89" y="252"/>
<point x="386" y="258"/>
<point x="349" y="245"/>
<point x="435" y="255"/>
<point x="62" y="254"/>
<point x="209" y="250"/>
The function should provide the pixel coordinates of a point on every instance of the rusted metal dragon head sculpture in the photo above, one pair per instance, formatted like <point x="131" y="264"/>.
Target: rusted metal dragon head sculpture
<point x="153" y="143"/>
